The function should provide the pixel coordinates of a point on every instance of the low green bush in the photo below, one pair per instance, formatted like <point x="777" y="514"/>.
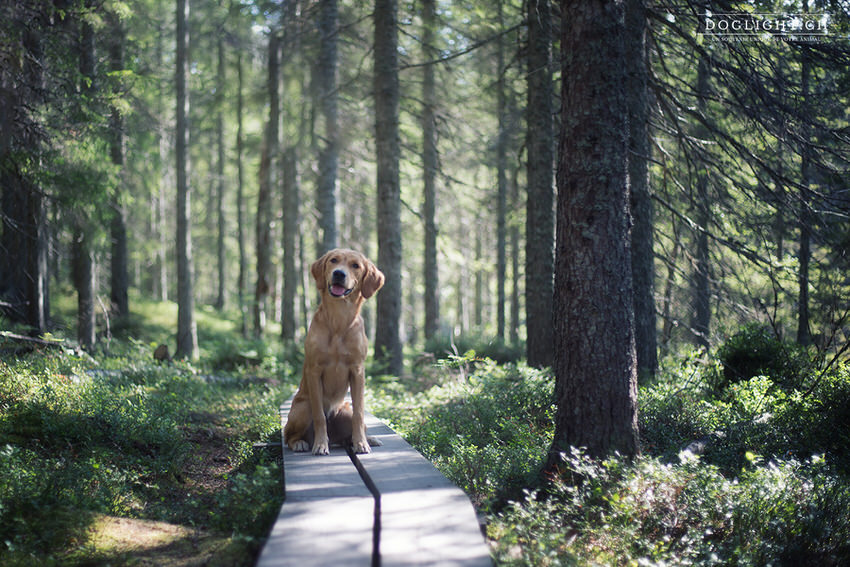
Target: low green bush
<point x="487" y="428"/>
<point x="444" y="346"/>
<point x="755" y="350"/>
<point x="649" y="512"/>
<point x="121" y="435"/>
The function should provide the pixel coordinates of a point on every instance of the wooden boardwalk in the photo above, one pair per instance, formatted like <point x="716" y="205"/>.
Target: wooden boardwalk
<point x="388" y="508"/>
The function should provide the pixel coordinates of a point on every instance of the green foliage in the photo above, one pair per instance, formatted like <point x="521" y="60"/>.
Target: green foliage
<point x="487" y="431"/>
<point x="487" y="347"/>
<point x="756" y="351"/>
<point x="651" y="513"/>
<point x="125" y="436"/>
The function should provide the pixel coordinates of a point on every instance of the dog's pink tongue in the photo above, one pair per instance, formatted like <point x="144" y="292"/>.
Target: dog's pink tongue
<point x="338" y="290"/>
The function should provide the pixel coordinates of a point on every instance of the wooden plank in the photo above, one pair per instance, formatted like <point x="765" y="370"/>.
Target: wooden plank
<point x="327" y="517"/>
<point x="425" y="519"/>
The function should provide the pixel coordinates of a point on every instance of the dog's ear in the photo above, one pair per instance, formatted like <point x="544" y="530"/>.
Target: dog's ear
<point x="318" y="271"/>
<point x="373" y="280"/>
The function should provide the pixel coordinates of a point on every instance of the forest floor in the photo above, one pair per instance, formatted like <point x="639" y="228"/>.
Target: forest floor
<point x="152" y="543"/>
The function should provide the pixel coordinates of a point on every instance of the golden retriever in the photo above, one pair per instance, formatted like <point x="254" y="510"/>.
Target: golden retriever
<point x="334" y="358"/>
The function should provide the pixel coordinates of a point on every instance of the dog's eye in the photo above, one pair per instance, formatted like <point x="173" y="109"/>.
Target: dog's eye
<point x="355" y="266"/>
<point x="334" y="260"/>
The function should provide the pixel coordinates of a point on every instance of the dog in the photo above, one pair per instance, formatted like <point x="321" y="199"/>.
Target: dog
<point x="334" y="358"/>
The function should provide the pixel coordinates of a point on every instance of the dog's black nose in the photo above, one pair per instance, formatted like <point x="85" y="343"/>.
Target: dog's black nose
<point x="338" y="276"/>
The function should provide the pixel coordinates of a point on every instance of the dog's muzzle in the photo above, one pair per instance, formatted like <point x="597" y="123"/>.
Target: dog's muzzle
<point x="337" y="287"/>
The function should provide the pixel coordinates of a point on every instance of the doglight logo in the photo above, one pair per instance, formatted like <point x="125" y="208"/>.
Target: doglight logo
<point x="764" y="25"/>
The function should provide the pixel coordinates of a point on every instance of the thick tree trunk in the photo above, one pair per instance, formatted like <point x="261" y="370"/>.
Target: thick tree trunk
<point x="387" y="340"/>
<point x="643" y="259"/>
<point x="329" y="153"/>
<point x="23" y="267"/>
<point x="539" y="255"/>
<point x="430" y="163"/>
<point x="187" y="330"/>
<point x="595" y="361"/>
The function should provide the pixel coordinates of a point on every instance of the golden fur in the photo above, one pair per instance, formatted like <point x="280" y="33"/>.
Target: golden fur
<point x="334" y="357"/>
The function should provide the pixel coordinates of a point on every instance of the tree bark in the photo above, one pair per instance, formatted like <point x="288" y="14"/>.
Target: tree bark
<point x="291" y="199"/>
<point x="643" y="258"/>
<point x="329" y="153"/>
<point x="221" y="299"/>
<point x="187" y="330"/>
<point x="388" y="349"/>
<point x="240" y="197"/>
<point x="264" y="197"/>
<point x="539" y="255"/>
<point x="119" y="279"/>
<point x="430" y="162"/>
<point x="702" y="285"/>
<point x="501" y="181"/>
<point x="805" y="217"/>
<point x="595" y="362"/>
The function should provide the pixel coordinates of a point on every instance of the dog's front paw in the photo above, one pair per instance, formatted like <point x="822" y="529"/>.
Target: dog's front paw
<point x="321" y="448"/>
<point x="361" y="447"/>
<point x="300" y="446"/>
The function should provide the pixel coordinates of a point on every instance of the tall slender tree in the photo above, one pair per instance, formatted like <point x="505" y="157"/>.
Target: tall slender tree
<point x="220" y="78"/>
<point x="187" y="329"/>
<point x="386" y="89"/>
<point x="643" y="258"/>
<point x="119" y="278"/>
<point x="329" y="144"/>
<point x="540" y="222"/>
<point x="595" y="362"/>
<point x="501" y="178"/>
<point x="702" y="280"/>
<point x="430" y="164"/>
<point x="267" y="181"/>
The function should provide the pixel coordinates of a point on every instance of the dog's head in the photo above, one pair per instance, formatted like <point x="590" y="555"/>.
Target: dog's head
<point x="345" y="273"/>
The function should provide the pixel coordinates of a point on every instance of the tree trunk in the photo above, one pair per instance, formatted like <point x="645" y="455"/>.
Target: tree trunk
<point x="119" y="279"/>
<point x="264" y="197"/>
<point x="82" y="252"/>
<point x="539" y="256"/>
<point x="501" y="182"/>
<point x="240" y="197"/>
<point x="388" y="348"/>
<point x="187" y="330"/>
<point x="803" y="335"/>
<point x="430" y="163"/>
<point x="329" y="153"/>
<point x="291" y="198"/>
<point x="702" y="286"/>
<point x="221" y="299"/>
<point x="595" y="362"/>
<point x="515" y="263"/>
<point x="84" y="281"/>
<point x="643" y="259"/>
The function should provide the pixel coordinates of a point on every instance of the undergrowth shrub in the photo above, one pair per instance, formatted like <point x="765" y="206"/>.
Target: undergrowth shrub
<point x="443" y="346"/>
<point x="488" y="428"/>
<point x="755" y="350"/>
<point x="615" y="512"/>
